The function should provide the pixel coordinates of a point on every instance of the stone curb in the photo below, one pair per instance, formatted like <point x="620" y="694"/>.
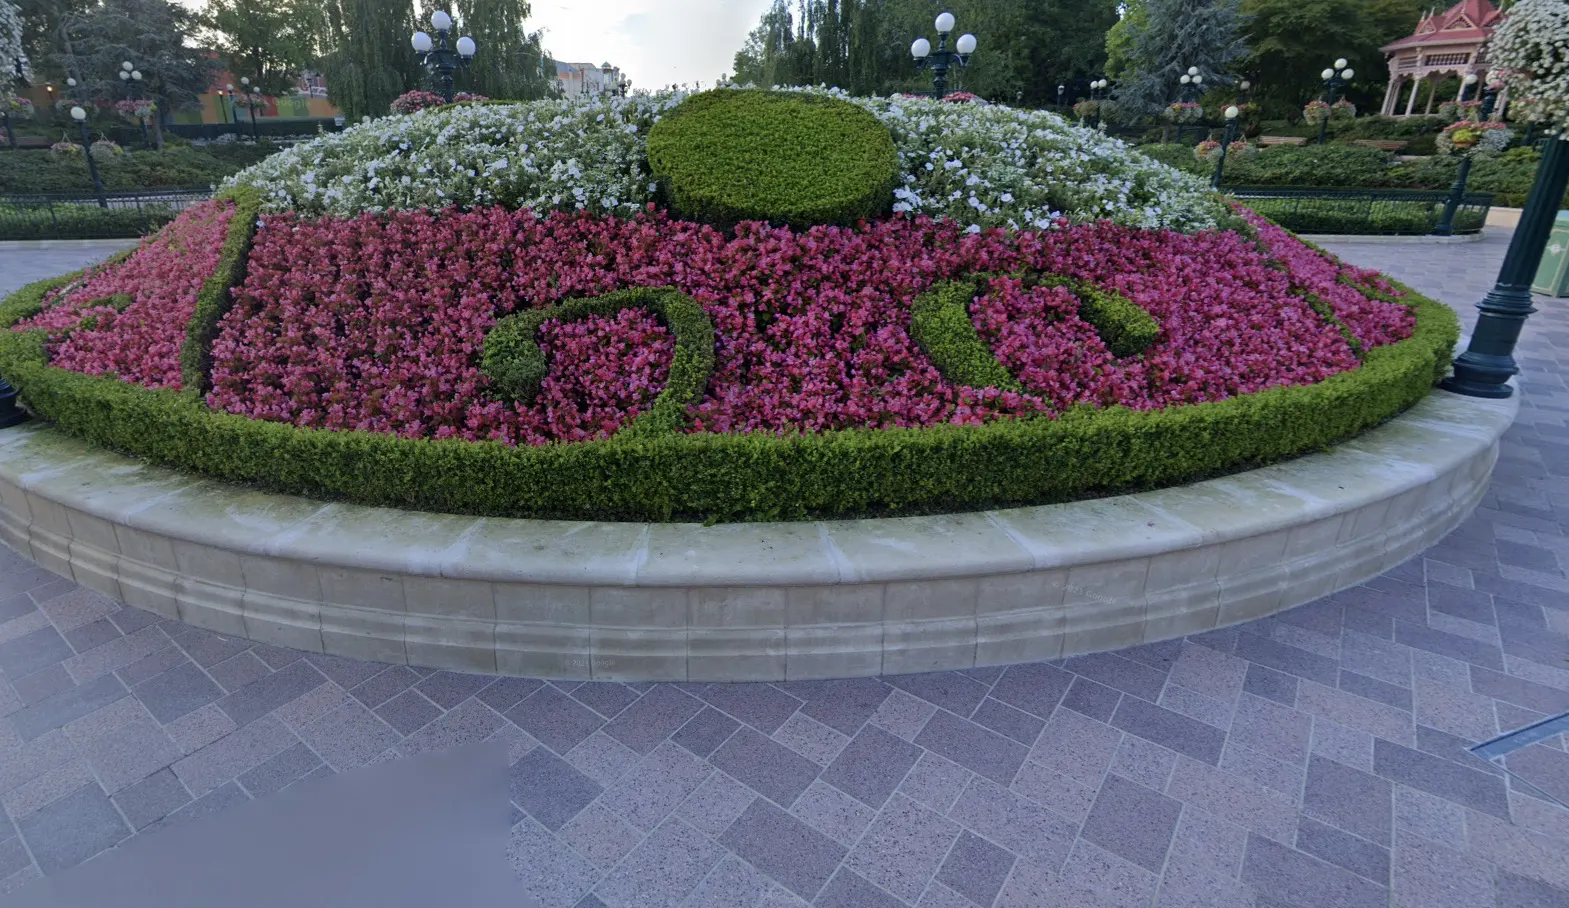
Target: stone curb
<point x="757" y="601"/>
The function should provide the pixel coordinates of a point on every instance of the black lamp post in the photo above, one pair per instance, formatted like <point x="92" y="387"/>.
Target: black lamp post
<point x="437" y="56"/>
<point x="1335" y="78"/>
<point x="1227" y="138"/>
<point x="1096" y="87"/>
<point x="250" y="104"/>
<point x="80" y="116"/>
<point x="1061" y="90"/>
<point x="129" y="74"/>
<point x="1192" y="83"/>
<point x="1487" y="363"/>
<point x="1446" y="225"/>
<point x="940" y="59"/>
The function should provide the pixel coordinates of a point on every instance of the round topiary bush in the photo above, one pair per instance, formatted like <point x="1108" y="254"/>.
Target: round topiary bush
<point x="726" y="156"/>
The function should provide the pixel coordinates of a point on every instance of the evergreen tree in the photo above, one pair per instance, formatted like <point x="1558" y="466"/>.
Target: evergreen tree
<point x="1176" y="35"/>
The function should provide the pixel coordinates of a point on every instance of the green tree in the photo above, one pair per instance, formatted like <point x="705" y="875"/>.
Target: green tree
<point x="1176" y="35"/>
<point x="510" y="62"/>
<point x="1119" y="39"/>
<point x="363" y="52"/>
<point x="262" y="39"/>
<point x="1291" y="41"/>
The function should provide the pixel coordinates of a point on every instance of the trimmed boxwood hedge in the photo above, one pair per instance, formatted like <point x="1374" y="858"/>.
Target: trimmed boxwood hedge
<point x="516" y="363"/>
<point x="215" y="297"/>
<point x="732" y="155"/>
<point x="716" y="477"/>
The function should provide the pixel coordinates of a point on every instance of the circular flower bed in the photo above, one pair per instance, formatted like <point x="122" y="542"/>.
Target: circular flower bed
<point x="337" y="325"/>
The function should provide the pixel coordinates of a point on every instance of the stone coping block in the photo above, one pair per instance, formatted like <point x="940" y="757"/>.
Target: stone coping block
<point x="757" y="601"/>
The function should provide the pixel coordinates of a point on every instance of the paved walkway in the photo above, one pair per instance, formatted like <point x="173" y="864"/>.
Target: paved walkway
<point x="1312" y="760"/>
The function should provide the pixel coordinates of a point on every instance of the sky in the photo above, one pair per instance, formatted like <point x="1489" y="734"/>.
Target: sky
<point x="655" y="42"/>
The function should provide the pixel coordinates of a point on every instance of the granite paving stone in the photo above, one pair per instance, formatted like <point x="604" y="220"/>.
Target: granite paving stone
<point x="872" y="765"/>
<point x="1313" y="759"/>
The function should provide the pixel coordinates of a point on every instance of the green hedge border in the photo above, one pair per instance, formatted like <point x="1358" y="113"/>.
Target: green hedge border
<point x="215" y="299"/>
<point x="716" y="477"/>
<point x="516" y="364"/>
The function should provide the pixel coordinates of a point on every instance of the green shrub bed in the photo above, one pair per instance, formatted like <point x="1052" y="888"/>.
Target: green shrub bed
<point x="80" y="221"/>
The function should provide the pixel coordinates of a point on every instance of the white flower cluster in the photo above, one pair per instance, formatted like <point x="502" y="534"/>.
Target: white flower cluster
<point x="981" y="166"/>
<point x="543" y="155"/>
<point x="1531" y="46"/>
<point x="997" y="166"/>
<point x="13" y="62"/>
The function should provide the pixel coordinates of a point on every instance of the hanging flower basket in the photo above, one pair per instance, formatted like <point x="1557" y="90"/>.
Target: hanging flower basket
<point x="419" y="99"/>
<point x="1242" y="148"/>
<point x="1206" y="151"/>
<point x="20" y="108"/>
<point x="1471" y="137"/>
<point x="1316" y="112"/>
<point x="1526" y="110"/>
<point x="1184" y="112"/>
<point x="104" y="149"/>
<point x="1342" y="110"/>
<point x="135" y="110"/>
<point x="1528" y="50"/>
<point x="962" y="97"/>
<point x="65" y="149"/>
<point x="1084" y="110"/>
<point x="1449" y="110"/>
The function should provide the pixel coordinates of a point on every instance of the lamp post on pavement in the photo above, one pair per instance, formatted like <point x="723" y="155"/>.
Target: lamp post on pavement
<point x="80" y="116"/>
<point x="942" y="58"/>
<point x="1446" y="225"/>
<point x="1335" y="78"/>
<point x="438" y="57"/>
<point x="1225" y="143"/>
<point x="250" y="104"/>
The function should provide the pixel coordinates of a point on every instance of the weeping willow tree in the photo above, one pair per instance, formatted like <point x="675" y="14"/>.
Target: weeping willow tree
<point x="364" y="53"/>
<point x="511" y="63"/>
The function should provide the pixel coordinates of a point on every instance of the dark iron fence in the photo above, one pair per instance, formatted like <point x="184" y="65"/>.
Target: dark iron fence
<point x="89" y="216"/>
<point x="1389" y="212"/>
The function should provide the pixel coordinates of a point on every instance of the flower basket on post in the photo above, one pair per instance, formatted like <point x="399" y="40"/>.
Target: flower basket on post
<point x="1184" y="112"/>
<point x="1316" y="112"/>
<point x="1471" y="137"/>
<point x="1086" y="110"/>
<point x="1342" y="110"/>
<point x="1206" y="151"/>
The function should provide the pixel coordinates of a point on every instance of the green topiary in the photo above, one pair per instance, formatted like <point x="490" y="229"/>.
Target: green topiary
<point x="516" y="364"/>
<point x="732" y="155"/>
<point x="1123" y="325"/>
<point x="940" y="325"/>
<point x="216" y="295"/>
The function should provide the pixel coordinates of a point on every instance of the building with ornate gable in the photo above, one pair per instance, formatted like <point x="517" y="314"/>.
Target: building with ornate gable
<point x="1444" y="44"/>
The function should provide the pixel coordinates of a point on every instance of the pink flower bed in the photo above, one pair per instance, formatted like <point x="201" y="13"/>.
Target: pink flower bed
<point x="141" y="344"/>
<point x="377" y="323"/>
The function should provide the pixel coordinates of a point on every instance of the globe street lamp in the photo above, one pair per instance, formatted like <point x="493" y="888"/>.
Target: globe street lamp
<point x="80" y="116"/>
<point x="437" y="56"/>
<point x="940" y="59"/>
<point x="1096" y="87"/>
<point x="129" y="74"/>
<point x="1225" y="143"/>
<point x="250" y="104"/>
<point x="1446" y="225"/>
<point x="1335" y="78"/>
<point x="1192" y="83"/>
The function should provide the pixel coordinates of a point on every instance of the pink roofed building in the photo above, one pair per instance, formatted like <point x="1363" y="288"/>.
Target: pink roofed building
<point x="1450" y="43"/>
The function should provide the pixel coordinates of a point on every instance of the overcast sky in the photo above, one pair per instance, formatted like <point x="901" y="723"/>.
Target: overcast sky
<point x="655" y="42"/>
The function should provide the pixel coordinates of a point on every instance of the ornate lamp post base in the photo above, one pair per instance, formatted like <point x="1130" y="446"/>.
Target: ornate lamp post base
<point x="10" y="413"/>
<point x="1488" y="362"/>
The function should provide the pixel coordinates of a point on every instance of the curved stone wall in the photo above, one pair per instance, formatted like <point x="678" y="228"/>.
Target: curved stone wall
<point x="746" y="601"/>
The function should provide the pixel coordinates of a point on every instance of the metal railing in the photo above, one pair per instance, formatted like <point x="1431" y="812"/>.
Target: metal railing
<point x="79" y="215"/>
<point x="1388" y="212"/>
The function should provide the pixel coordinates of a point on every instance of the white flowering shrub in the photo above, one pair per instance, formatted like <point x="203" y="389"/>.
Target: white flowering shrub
<point x="543" y="155"/>
<point x="1531" y="47"/>
<point x="981" y="166"/>
<point x="12" y="61"/>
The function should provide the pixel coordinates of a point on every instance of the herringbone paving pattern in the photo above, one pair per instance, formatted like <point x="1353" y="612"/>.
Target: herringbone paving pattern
<point x="1314" y="760"/>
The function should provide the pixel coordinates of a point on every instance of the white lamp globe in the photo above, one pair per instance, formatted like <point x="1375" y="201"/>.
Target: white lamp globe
<point x="1340" y="63"/>
<point x="78" y="114"/>
<point x="440" y="21"/>
<point x="245" y="80"/>
<point x="1185" y="79"/>
<point x="1232" y="112"/>
<point x="966" y="44"/>
<point x="944" y="23"/>
<point x="124" y="75"/>
<point x="230" y="86"/>
<point x="422" y="43"/>
<point x="1327" y="74"/>
<point x="466" y="46"/>
<point x="1197" y="80"/>
<point x="71" y="81"/>
<point x="1246" y="85"/>
<point x="136" y="75"/>
<point x="126" y="66"/>
<point x="1347" y="74"/>
<point x="1193" y="70"/>
<point x="919" y="48"/>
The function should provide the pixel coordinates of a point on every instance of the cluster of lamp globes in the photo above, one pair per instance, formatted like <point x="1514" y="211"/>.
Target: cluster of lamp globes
<point x="921" y="48"/>
<point x="1341" y="68"/>
<point x="128" y="73"/>
<point x="442" y="23"/>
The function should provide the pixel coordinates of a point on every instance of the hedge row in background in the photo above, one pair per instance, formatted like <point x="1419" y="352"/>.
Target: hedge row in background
<point x="729" y="155"/>
<point x="737" y="477"/>
<point x="517" y="365"/>
<point x="1508" y="176"/>
<point x="30" y="171"/>
<point x="80" y="221"/>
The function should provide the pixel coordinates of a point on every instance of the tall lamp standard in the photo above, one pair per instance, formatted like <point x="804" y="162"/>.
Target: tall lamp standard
<point x="1484" y="368"/>
<point x="1096" y="87"/>
<point x="1335" y="78"/>
<point x="233" y="115"/>
<point x="1061" y="90"/>
<point x="80" y="116"/>
<point x="940" y="59"/>
<point x="1225" y="143"/>
<point x="250" y="104"/>
<point x="129" y="74"/>
<point x="438" y="56"/>
<point x="1446" y="225"/>
<point x="1192" y="83"/>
